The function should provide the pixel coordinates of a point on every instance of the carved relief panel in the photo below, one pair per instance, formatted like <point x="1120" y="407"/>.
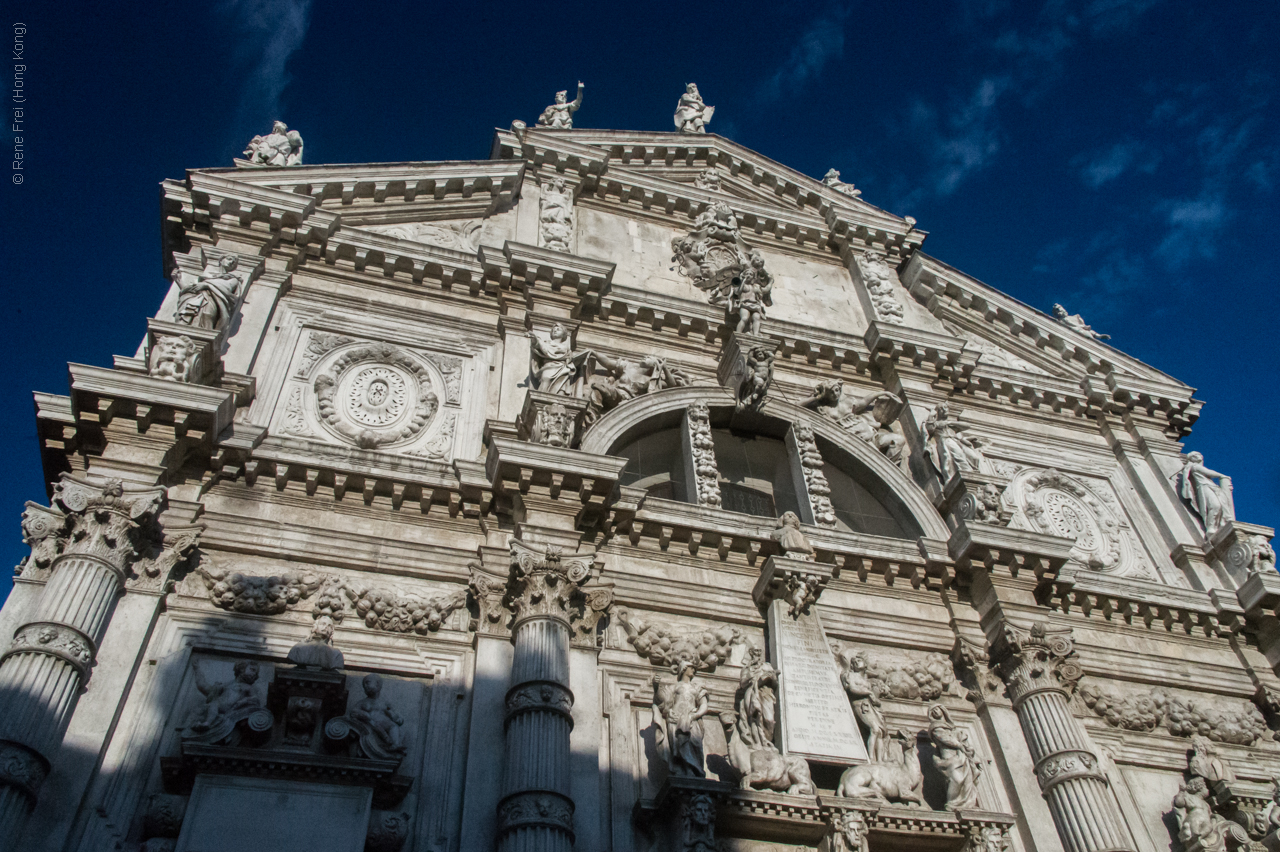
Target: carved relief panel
<point x="1049" y="501"/>
<point x="372" y="395"/>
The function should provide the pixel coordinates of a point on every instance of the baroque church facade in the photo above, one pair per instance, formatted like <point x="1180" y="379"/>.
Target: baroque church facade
<point x="625" y="491"/>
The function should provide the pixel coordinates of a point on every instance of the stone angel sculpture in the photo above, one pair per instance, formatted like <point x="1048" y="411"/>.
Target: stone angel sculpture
<point x="692" y="115"/>
<point x="559" y="116"/>
<point x="678" y="710"/>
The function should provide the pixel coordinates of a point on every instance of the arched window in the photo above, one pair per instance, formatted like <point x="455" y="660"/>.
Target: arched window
<point x="760" y="475"/>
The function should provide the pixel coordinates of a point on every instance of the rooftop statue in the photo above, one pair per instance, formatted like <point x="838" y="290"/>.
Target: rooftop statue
<point x="280" y="147"/>
<point x="1076" y="323"/>
<point x="832" y="179"/>
<point x="692" y="115"/>
<point x="559" y="116"/>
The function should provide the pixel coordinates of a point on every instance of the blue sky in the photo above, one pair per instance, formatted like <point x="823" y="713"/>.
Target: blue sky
<point x="1122" y="158"/>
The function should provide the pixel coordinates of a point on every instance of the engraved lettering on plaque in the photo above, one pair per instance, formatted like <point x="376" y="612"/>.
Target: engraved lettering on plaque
<point x="816" y="719"/>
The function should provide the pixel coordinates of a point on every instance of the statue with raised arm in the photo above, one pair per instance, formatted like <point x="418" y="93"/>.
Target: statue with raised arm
<point x="1076" y="323"/>
<point x="677" y="716"/>
<point x="559" y="116"/>
<point x="949" y="448"/>
<point x="692" y="115"/>
<point x="225" y="705"/>
<point x="210" y="300"/>
<point x="1212" y="502"/>
<point x="552" y="361"/>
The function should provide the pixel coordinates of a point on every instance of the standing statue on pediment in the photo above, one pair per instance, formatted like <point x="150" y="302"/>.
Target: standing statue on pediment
<point x="552" y="361"/>
<point x="280" y="147"/>
<point x="1212" y="502"/>
<point x="949" y="448"/>
<point x="864" y="696"/>
<point x="1076" y="323"/>
<point x="210" y="300"/>
<point x="559" y="116"/>
<point x="692" y="115"/>
<point x="677" y="714"/>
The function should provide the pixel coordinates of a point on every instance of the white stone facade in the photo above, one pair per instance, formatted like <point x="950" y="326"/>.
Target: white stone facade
<point x="592" y="497"/>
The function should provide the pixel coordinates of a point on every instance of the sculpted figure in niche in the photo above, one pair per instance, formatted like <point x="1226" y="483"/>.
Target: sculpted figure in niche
<point x="950" y="449"/>
<point x="864" y="695"/>
<point x="749" y="293"/>
<point x="559" y="116"/>
<point x="756" y="700"/>
<point x="1076" y="323"/>
<point x="317" y="652"/>
<point x="1211" y="501"/>
<point x="553" y="362"/>
<point x="280" y="147"/>
<point x="377" y="723"/>
<point x="209" y="301"/>
<point x="955" y="758"/>
<point x="225" y="704"/>
<point x="795" y="544"/>
<point x="692" y="115"/>
<point x="869" y="418"/>
<point x="677" y="714"/>
<point x="624" y="379"/>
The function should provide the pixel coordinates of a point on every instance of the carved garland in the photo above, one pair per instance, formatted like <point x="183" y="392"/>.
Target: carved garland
<point x="706" y="474"/>
<point x="664" y="645"/>
<point x="824" y="514"/>
<point x="1221" y="720"/>
<point x="879" y="282"/>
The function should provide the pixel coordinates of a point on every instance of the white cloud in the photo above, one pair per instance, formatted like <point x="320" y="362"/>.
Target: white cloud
<point x="270" y="31"/>
<point x="1102" y="167"/>
<point x="966" y="140"/>
<point x="818" y="45"/>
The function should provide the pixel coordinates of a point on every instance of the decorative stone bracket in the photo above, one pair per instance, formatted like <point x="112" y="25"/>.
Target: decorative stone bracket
<point x="553" y="420"/>
<point x="746" y="368"/>
<point x="797" y="582"/>
<point x="975" y="497"/>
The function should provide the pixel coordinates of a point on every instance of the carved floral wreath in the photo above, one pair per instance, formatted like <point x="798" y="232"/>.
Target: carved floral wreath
<point x="376" y="395"/>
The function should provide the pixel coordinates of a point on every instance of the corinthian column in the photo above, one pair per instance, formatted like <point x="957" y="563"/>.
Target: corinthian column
<point x="535" y="813"/>
<point x="1038" y="668"/>
<point x="44" y="670"/>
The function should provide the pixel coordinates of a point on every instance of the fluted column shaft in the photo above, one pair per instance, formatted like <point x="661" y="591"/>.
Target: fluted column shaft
<point x="1039" y="675"/>
<point x="535" y="813"/>
<point x="46" y="667"/>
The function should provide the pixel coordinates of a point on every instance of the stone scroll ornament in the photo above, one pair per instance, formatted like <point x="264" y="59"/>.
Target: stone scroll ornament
<point x="376" y="395"/>
<point x="280" y="147"/>
<point x="559" y="116"/>
<point x="868" y="418"/>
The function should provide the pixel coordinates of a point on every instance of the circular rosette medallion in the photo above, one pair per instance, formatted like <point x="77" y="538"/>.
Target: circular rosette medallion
<point x="376" y="395"/>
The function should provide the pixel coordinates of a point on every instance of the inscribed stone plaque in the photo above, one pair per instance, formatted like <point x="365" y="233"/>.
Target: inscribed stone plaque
<point x="816" y="719"/>
<point x="231" y="814"/>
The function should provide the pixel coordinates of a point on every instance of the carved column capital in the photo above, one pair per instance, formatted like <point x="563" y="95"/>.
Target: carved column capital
<point x="543" y="581"/>
<point x="1035" y="660"/>
<point x="103" y="519"/>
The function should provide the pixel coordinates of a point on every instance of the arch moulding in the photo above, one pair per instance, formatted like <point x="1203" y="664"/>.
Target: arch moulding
<point x="627" y="419"/>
